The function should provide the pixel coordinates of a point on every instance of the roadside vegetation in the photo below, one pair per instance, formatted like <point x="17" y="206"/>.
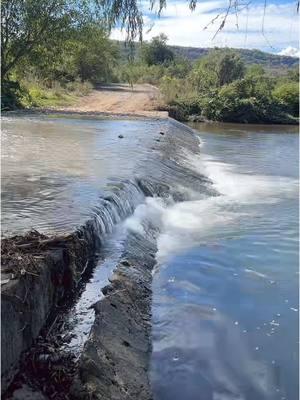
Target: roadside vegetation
<point x="219" y="86"/>
<point x="54" y="51"/>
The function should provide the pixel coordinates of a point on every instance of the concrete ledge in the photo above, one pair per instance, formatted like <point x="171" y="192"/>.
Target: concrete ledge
<point x="115" y="360"/>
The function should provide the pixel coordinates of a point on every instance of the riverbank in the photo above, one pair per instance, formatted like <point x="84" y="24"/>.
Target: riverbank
<point x="147" y="101"/>
<point x="118" y="100"/>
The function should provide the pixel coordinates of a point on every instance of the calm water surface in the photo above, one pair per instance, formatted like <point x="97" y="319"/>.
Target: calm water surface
<point x="225" y="309"/>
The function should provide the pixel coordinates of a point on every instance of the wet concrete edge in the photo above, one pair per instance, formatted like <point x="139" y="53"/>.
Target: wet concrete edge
<point x="115" y="360"/>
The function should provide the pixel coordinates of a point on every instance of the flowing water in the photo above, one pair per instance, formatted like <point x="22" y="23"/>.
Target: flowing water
<point x="225" y="310"/>
<point x="54" y="169"/>
<point x="225" y="290"/>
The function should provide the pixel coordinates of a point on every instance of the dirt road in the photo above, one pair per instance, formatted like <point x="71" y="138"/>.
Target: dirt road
<point x="142" y="100"/>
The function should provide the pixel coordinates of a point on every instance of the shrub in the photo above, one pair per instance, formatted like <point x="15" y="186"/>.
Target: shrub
<point x="230" y="105"/>
<point x="287" y="94"/>
<point x="11" y="93"/>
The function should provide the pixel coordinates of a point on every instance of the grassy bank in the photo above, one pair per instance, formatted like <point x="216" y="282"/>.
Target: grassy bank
<point x="29" y="93"/>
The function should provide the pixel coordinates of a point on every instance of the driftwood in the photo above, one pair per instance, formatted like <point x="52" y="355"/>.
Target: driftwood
<point x="56" y="241"/>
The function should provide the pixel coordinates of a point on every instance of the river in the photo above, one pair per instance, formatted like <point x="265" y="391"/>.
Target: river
<point x="55" y="169"/>
<point x="225" y="311"/>
<point x="225" y="288"/>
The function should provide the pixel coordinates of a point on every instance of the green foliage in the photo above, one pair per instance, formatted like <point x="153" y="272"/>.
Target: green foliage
<point x="157" y="52"/>
<point x="30" y="92"/>
<point x="27" y="24"/>
<point x="270" y="62"/>
<point x="52" y="50"/>
<point x="54" y="43"/>
<point x="48" y="73"/>
<point x="255" y="70"/>
<point x="137" y="72"/>
<point x="218" y="68"/>
<point x="287" y="94"/>
<point x="293" y="75"/>
<point x="86" y="54"/>
<point x="234" y="104"/>
<point x="220" y="88"/>
<point x="94" y="55"/>
<point x="11" y="92"/>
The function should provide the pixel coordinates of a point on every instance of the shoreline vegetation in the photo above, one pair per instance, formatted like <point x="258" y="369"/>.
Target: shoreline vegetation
<point x="219" y="86"/>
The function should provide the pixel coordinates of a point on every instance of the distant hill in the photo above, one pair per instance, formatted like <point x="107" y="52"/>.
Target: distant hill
<point x="269" y="61"/>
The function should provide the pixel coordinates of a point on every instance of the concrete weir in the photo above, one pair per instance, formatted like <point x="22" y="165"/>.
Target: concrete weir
<point x="115" y="359"/>
<point x="39" y="272"/>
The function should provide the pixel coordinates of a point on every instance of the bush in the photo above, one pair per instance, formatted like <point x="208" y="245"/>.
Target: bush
<point x="11" y="93"/>
<point x="79" y="88"/>
<point x="232" y="104"/>
<point x="287" y="94"/>
<point x="157" y="52"/>
<point x="33" y="93"/>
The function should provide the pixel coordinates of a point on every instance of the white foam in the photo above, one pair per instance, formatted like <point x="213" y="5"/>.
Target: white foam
<point x="242" y="187"/>
<point x="188" y="223"/>
<point x="256" y="273"/>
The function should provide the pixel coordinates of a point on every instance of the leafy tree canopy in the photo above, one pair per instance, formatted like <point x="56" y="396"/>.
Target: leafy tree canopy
<point x="157" y="51"/>
<point x="218" y="68"/>
<point x="26" y="24"/>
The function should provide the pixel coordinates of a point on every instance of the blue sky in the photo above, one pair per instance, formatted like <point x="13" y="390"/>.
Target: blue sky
<point x="276" y="32"/>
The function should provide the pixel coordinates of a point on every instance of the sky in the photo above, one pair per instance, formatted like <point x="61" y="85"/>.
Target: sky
<point x="276" y="30"/>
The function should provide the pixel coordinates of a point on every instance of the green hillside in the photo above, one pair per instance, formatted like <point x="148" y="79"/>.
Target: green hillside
<point x="267" y="60"/>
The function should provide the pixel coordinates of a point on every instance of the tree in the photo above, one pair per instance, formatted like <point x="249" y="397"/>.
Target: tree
<point x="85" y="53"/>
<point x="94" y="55"/>
<point x="157" y="52"/>
<point x="255" y="70"/>
<point x="288" y="95"/>
<point x="218" y="68"/>
<point x="27" y="24"/>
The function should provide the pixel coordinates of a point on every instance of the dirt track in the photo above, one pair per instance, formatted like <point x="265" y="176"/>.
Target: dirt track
<point x="142" y="100"/>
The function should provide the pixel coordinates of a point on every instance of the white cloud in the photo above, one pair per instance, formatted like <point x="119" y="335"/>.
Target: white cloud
<point x="290" y="51"/>
<point x="278" y="31"/>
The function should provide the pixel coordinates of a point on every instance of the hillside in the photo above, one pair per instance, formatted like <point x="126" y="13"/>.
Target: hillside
<point x="267" y="60"/>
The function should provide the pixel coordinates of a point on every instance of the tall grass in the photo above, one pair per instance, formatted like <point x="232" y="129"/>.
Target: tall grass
<point x="36" y="93"/>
